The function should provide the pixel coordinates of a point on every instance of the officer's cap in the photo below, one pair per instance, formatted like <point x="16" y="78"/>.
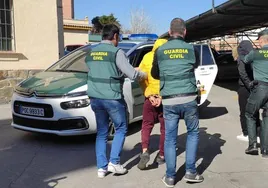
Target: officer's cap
<point x="263" y="32"/>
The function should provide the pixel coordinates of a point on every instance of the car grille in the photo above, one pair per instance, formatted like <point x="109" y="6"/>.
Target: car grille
<point x="48" y="110"/>
<point x="64" y="124"/>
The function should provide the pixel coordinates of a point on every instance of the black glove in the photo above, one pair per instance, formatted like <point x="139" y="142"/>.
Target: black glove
<point x="253" y="84"/>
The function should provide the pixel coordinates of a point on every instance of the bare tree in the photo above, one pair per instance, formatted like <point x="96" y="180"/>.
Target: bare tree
<point x="140" y="22"/>
<point x="124" y="30"/>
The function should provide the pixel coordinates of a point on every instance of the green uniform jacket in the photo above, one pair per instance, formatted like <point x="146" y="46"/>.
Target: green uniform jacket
<point x="259" y="60"/>
<point x="103" y="76"/>
<point x="176" y="60"/>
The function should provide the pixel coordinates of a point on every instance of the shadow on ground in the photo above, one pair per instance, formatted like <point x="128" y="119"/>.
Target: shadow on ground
<point x="154" y="146"/>
<point x="228" y="84"/>
<point x="134" y="128"/>
<point x="209" y="147"/>
<point x="210" y="112"/>
<point x="44" y="157"/>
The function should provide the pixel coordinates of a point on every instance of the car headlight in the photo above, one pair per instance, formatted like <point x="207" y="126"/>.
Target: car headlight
<point x="75" y="104"/>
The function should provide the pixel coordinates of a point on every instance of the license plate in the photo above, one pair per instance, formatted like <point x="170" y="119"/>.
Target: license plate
<point x="32" y="111"/>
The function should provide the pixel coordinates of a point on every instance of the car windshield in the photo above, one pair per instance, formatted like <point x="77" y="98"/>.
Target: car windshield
<point x="75" y="61"/>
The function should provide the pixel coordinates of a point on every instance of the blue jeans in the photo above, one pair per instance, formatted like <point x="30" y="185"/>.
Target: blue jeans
<point x="172" y="115"/>
<point x="116" y="110"/>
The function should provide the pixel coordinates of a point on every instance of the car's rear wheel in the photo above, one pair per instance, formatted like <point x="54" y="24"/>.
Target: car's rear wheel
<point x="111" y="130"/>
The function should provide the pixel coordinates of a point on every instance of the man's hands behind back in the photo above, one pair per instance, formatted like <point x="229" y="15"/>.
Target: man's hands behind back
<point x="155" y="100"/>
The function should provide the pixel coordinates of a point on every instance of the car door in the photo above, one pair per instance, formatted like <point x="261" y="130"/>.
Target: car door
<point x="205" y="73"/>
<point x="136" y="96"/>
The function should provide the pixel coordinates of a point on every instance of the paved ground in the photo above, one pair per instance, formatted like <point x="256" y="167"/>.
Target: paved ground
<point x="41" y="161"/>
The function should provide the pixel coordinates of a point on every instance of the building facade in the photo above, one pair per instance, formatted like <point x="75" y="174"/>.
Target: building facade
<point x="68" y="9"/>
<point x="75" y="31"/>
<point x="31" y="39"/>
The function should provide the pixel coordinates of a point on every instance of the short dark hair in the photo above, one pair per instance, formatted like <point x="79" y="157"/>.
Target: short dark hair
<point x="177" y="25"/>
<point x="109" y="30"/>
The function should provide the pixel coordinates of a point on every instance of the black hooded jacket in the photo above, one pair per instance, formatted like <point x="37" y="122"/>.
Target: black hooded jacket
<point x="245" y="70"/>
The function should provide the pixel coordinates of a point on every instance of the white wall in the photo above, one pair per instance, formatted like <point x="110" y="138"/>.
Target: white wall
<point x="75" y="37"/>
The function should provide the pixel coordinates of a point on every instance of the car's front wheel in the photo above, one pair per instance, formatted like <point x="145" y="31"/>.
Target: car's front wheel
<point x="111" y="131"/>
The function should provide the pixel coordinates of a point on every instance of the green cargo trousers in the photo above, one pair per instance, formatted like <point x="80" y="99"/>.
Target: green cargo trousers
<point x="258" y="99"/>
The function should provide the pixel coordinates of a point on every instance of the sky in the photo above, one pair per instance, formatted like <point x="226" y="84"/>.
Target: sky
<point x="159" y="12"/>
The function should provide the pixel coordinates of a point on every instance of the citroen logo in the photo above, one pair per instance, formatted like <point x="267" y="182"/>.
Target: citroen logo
<point x="34" y="94"/>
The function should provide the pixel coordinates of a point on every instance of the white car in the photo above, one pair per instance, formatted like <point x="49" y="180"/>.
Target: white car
<point x="55" y="101"/>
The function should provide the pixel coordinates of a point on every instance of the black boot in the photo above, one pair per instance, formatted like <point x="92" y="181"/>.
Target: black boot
<point x="252" y="149"/>
<point x="264" y="153"/>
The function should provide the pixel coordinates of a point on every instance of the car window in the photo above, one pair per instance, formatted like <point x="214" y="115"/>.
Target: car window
<point x="132" y="56"/>
<point x="125" y="46"/>
<point x="207" y="58"/>
<point x="198" y="49"/>
<point x="78" y="64"/>
<point x="137" y="58"/>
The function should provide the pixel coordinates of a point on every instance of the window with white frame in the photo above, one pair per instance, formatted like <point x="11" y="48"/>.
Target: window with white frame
<point x="6" y="26"/>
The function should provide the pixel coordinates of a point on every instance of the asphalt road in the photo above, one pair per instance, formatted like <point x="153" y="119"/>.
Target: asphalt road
<point x="43" y="161"/>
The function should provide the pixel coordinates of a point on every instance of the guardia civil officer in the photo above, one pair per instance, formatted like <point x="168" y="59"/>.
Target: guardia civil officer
<point x="106" y="64"/>
<point x="245" y="78"/>
<point x="174" y="65"/>
<point x="259" y="95"/>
